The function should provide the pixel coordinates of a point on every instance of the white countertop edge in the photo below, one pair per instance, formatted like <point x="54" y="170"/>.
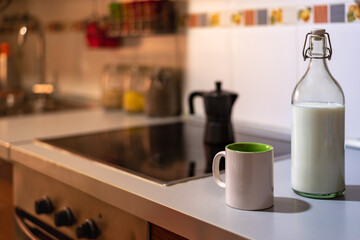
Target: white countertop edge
<point x="163" y="205"/>
<point x="196" y="209"/>
<point x="135" y="195"/>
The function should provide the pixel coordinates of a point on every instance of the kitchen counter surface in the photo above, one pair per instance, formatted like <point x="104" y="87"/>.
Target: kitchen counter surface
<point x="195" y="209"/>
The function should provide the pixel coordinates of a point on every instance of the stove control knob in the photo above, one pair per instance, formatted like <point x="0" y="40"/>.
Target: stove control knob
<point x="44" y="205"/>
<point x="88" y="229"/>
<point x="64" y="217"/>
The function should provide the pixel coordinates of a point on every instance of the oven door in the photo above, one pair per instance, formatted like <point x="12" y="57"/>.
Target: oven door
<point x="30" y="228"/>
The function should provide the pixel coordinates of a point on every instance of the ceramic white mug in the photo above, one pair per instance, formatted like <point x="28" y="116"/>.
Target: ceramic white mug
<point x="249" y="183"/>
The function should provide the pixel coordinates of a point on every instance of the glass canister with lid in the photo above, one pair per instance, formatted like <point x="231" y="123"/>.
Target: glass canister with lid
<point x="163" y="92"/>
<point x="134" y="95"/>
<point x="113" y="78"/>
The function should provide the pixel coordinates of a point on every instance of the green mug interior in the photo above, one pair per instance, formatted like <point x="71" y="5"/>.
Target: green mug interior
<point x="249" y="147"/>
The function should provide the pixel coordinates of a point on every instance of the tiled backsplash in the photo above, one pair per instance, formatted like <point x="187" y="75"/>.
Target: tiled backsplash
<point x="254" y="47"/>
<point x="347" y="12"/>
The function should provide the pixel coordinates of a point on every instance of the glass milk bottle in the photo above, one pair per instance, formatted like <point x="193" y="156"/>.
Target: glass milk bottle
<point x="318" y="115"/>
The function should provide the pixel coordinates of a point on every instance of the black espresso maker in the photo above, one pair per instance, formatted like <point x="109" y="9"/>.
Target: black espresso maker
<point x="218" y="128"/>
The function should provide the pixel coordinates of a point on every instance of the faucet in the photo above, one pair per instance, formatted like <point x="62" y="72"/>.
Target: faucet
<point x="41" y="89"/>
<point x="29" y="22"/>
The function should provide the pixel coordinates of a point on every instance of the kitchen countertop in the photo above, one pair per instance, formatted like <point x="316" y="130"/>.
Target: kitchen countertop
<point x="195" y="209"/>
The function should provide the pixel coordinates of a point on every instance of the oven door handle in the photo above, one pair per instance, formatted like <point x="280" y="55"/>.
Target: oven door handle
<point x="24" y="228"/>
<point x="34" y="229"/>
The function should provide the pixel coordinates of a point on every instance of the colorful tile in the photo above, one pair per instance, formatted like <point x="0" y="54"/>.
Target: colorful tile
<point x="202" y="20"/>
<point x="353" y="13"/>
<point x="337" y="13"/>
<point x="193" y="20"/>
<point x="321" y="14"/>
<point x="262" y="16"/>
<point x="237" y="18"/>
<point x="214" y="19"/>
<point x="276" y="16"/>
<point x="249" y="17"/>
<point x="305" y="15"/>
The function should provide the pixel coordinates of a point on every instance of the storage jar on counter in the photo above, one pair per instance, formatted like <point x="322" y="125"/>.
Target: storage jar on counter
<point x="113" y="78"/>
<point x="134" y="95"/>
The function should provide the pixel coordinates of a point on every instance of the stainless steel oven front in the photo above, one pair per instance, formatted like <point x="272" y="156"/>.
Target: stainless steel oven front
<point x="46" y="208"/>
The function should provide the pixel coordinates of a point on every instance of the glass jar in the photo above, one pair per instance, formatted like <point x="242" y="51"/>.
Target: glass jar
<point x="162" y="93"/>
<point x="112" y="79"/>
<point x="134" y="96"/>
<point x="318" y="119"/>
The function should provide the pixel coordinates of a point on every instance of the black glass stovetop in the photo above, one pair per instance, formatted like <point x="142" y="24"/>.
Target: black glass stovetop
<point x="167" y="153"/>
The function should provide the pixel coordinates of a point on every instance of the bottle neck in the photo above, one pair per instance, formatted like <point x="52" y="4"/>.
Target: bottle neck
<point x="317" y="84"/>
<point x="317" y="47"/>
<point x="317" y="54"/>
<point x="318" y="64"/>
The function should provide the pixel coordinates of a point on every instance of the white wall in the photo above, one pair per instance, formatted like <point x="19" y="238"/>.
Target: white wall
<point x="261" y="63"/>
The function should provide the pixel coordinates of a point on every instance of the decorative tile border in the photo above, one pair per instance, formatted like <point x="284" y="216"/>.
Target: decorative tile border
<point x="348" y="12"/>
<point x="316" y="14"/>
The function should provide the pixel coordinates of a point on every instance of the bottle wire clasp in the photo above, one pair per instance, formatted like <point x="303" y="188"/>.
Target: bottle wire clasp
<point x="306" y="52"/>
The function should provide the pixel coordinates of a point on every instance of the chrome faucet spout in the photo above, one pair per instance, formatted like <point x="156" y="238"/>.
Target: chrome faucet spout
<point x="22" y="35"/>
<point x="28" y="23"/>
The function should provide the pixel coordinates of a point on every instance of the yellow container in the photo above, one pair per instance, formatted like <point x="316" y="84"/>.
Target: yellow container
<point x="134" y="101"/>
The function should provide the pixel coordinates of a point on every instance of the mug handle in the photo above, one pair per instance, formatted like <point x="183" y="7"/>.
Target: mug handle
<point x="216" y="170"/>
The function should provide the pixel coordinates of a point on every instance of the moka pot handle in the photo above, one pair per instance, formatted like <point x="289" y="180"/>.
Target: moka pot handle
<point x="191" y="100"/>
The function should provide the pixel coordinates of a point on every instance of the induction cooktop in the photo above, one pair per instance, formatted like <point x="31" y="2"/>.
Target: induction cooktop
<point x="166" y="153"/>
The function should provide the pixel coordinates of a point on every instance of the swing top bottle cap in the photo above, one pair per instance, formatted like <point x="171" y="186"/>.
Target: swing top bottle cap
<point x="318" y="32"/>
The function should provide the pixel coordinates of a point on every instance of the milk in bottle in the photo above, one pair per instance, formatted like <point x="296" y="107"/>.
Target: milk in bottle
<point x="318" y="115"/>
